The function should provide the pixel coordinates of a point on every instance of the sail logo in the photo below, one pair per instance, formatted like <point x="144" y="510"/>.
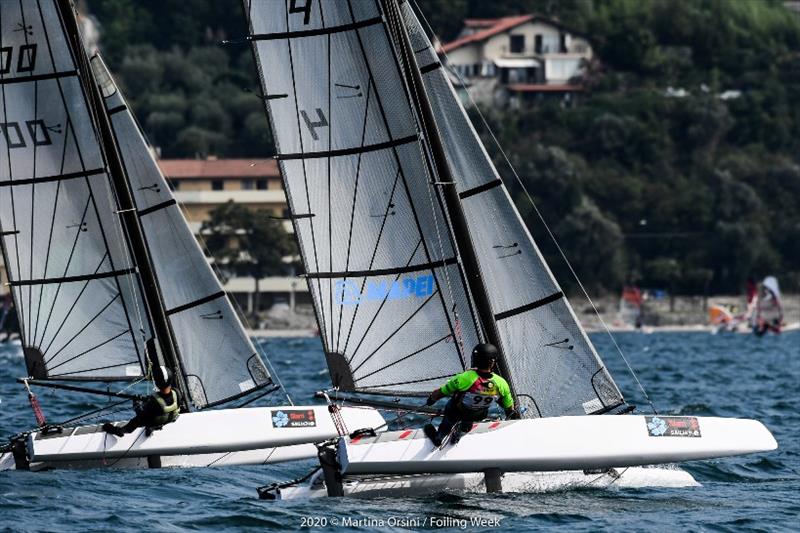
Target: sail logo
<point x="348" y="292"/>
<point x="293" y="418"/>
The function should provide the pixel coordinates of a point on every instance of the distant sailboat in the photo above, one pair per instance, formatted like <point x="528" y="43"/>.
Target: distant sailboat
<point x="107" y="278"/>
<point x="415" y="252"/>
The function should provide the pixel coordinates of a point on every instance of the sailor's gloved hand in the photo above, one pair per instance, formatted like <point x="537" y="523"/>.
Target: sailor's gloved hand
<point x="512" y="414"/>
<point x="432" y="399"/>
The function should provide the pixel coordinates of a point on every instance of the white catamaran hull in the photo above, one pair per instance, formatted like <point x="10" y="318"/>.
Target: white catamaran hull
<point x="558" y="443"/>
<point x="209" y="438"/>
<point x="526" y="482"/>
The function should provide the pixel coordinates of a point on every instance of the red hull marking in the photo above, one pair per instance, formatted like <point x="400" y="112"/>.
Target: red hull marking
<point x="405" y="434"/>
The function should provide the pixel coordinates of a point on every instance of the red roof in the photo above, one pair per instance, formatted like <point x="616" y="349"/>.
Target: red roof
<point x="543" y="88"/>
<point x="499" y="26"/>
<point x="219" y="168"/>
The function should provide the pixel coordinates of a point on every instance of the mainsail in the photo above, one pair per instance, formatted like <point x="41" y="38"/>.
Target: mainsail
<point x="74" y="284"/>
<point x="387" y="286"/>
<point x="554" y="366"/>
<point x="217" y="358"/>
<point x="350" y="131"/>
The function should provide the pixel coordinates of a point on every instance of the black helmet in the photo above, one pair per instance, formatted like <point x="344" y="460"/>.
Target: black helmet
<point x="484" y="355"/>
<point x="162" y="376"/>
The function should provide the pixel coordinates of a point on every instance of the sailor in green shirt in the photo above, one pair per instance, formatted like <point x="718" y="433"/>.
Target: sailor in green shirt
<point x="471" y="394"/>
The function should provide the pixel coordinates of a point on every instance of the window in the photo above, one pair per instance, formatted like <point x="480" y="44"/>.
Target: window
<point x="247" y="185"/>
<point x="537" y="43"/>
<point x="517" y="44"/>
<point x="217" y="185"/>
<point x="262" y="185"/>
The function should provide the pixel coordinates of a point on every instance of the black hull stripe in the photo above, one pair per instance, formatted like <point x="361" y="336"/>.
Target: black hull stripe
<point x="529" y="307"/>
<point x="47" y="179"/>
<point x="429" y="68"/>
<point x="479" y="189"/>
<point x="157" y="207"/>
<point x="349" y="151"/>
<point x="39" y="77"/>
<point x="72" y="279"/>
<point x="381" y="272"/>
<point x="118" y="109"/>
<point x="315" y="32"/>
<point x="196" y="303"/>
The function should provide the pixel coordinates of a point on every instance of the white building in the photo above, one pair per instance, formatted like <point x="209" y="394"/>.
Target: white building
<point x="513" y="58"/>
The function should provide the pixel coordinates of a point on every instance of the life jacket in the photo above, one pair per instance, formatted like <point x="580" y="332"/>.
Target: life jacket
<point x="169" y="413"/>
<point x="480" y="395"/>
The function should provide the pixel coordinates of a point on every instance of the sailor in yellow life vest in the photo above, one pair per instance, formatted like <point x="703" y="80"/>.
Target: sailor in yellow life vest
<point x="159" y="409"/>
<point x="472" y="393"/>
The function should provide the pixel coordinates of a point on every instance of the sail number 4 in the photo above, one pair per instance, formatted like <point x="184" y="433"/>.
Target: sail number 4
<point x="348" y="292"/>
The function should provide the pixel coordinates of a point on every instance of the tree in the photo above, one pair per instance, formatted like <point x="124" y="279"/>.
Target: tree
<point x="248" y="243"/>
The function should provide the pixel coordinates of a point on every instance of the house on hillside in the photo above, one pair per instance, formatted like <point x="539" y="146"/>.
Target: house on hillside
<point x="511" y="60"/>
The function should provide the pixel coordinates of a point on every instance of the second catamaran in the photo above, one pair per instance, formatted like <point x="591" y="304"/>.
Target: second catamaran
<point x="108" y="280"/>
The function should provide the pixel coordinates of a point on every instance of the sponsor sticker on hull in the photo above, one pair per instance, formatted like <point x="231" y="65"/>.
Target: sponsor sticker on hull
<point x="672" y="426"/>
<point x="293" y="418"/>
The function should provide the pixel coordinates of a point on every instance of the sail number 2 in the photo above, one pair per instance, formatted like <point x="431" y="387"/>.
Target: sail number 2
<point x="348" y="292"/>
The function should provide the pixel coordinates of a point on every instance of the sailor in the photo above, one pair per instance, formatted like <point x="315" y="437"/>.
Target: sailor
<point x="157" y="410"/>
<point x="471" y="394"/>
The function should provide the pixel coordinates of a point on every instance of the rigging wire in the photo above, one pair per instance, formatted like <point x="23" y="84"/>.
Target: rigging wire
<point x="539" y="215"/>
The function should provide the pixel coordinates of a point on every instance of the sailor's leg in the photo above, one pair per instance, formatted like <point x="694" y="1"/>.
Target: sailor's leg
<point x="466" y="423"/>
<point x="137" y="421"/>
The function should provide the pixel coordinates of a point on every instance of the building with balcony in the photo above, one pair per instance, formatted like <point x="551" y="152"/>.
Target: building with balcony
<point x="511" y="60"/>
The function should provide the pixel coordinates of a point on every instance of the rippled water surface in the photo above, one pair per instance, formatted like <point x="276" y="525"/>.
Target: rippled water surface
<point x="687" y="373"/>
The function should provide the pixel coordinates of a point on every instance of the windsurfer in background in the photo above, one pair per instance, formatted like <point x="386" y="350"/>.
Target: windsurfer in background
<point x="471" y="394"/>
<point x="159" y="409"/>
<point x="769" y="310"/>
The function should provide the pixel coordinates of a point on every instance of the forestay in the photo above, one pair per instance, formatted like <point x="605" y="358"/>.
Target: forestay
<point x="73" y="283"/>
<point x="555" y="369"/>
<point x="217" y="357"/>
<point x="385" y="280"/>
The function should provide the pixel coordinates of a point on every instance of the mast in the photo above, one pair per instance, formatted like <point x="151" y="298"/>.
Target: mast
<point x="127" y="211"/>
<point x="453" y="206"/>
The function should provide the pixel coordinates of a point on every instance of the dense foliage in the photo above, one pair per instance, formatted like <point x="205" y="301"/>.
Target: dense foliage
<point x="679" y="167"/>
<point x="246" y="242"/>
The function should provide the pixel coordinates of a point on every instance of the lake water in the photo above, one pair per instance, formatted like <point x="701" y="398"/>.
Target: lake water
<point x="686" y="373"/>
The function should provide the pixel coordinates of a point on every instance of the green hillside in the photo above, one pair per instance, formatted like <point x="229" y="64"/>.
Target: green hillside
<point x="689" y="193"/>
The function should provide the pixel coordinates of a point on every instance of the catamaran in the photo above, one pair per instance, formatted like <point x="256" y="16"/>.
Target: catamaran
<point x="415" y="252"/>
<point x="109" y="282"/>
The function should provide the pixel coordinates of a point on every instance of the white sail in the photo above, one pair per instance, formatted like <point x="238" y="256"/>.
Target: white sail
<point x="217" y="357"/>
<point x="554" y="367"/>
<point x="386" y="284"/>
<point x="74" y="285"/>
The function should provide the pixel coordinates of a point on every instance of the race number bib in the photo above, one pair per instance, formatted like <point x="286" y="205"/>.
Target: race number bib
<point x="476" y="402"/>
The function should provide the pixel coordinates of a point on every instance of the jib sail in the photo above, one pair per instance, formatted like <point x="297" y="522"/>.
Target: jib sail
<point x="217" y="357"/>
<point x="554" y="367"/>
